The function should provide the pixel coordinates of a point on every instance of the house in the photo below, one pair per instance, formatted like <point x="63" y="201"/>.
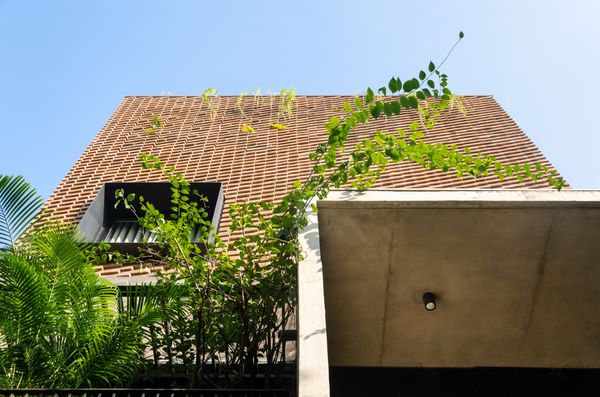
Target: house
<point x="202" y="138"/>
<point x="514" y="273"/>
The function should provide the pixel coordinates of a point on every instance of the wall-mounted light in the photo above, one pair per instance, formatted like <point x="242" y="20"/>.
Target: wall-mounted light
<point x="429" y="301"/>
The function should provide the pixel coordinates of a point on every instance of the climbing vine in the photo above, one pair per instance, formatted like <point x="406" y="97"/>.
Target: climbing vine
<point x="208" y="98"/>
<point x="287" y="99"/>
<point x="156" y="125"/>
<point x="239" y="295"/>
<point x="239" y="103"/>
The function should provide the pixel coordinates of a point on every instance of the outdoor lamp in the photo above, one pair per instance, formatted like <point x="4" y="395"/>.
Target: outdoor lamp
<point x="429" y="301"/>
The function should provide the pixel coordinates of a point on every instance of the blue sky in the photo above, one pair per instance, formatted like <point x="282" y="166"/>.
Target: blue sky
<point x="66" y="65"/>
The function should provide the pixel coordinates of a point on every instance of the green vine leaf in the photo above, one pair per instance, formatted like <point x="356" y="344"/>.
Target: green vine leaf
<point x="393" y="85"/>
<point x="369" y="96"/>
<point x="255" y="285"/>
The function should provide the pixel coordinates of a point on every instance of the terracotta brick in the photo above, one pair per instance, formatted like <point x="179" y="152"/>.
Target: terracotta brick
<point x="265" y="164"/>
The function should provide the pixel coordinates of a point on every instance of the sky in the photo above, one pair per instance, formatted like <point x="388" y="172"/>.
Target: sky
<point x="66" y="65"/>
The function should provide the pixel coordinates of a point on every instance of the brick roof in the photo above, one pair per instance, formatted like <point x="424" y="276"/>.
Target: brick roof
<point x="208" y="145"/>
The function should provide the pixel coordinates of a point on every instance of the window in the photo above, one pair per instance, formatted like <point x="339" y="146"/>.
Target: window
<point x="102" y="222"/>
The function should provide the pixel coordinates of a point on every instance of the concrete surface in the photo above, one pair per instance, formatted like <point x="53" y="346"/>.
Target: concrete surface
<point x="312" y="360"/>
<point x="517" y="274"/>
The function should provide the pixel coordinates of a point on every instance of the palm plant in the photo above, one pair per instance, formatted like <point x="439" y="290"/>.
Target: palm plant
<point x="19" y="203"/>
<point x="60" y="326"/>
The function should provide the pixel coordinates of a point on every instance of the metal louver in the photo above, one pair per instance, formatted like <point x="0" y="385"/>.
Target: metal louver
<point x="131" y="232"/>
<point x="128" y="232"/>
<point x="104" y="221"/>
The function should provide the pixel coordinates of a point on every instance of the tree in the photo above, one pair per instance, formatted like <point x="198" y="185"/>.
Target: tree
<point x="59" y="322"/>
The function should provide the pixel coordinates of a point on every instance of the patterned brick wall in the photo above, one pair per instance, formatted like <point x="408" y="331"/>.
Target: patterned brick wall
<point x="263" y="165"/>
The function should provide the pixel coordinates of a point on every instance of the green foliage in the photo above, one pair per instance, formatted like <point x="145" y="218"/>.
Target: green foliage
<point x="236" y="297"/>
<point x="257" y="97"/>
<point x="156" y="124"/>
<point x="287" y="99"/>
<point x="228" y="302"/>
<point x="239" y="103"/>
<point x="208" y="97"/>
<point x="19" y="204"/>
<point x="226" y="306"/>
<point x="59" y="323"/>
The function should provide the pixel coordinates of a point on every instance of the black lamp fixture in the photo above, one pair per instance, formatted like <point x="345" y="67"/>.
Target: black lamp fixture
<point x="429" y="301"/>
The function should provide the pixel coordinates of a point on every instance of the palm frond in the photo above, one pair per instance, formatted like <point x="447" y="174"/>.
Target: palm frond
<point x="59" y="322"/>
<point x="23" y="297"/>
<point x="19" y="203"/>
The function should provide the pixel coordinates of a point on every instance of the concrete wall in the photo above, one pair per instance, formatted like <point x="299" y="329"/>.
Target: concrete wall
<point x="517" y="275"/>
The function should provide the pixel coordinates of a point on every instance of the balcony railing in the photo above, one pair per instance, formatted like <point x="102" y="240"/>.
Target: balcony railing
<point x="145" y="393"/>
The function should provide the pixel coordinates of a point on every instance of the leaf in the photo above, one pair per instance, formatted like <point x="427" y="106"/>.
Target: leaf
<point x="333" y="122"/>
<point x="383" y="90"/>
<point x="404" y="101"/>
<point x="19" y="204"/>
<point x="357" y="102"/>
<point x="415" y="83"/>
<point x="394" y="154"/>
<point x="410" y="85"/>
<point x="247" y="128"/>
<point x="422" y="75"/>
<point x="370" y="95"/>
<point x="377" y="109"/>
<point x="431" y="67"/>
<point x="461" y="35"/>
<point x="278" y="127"/>
<point x="387" y="109"/>
<point x="393" y="84"/>
<point x="412" y="102"/>
<point x="156" y="122"/>
<point x="347" y="107"/>
<point x="351" y="122"/>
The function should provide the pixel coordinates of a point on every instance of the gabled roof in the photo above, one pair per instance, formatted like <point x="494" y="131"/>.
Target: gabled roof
<point x="206" y="143"/>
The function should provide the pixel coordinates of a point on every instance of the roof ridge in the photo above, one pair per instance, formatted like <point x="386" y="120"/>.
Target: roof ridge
<point x="297" y="96"/>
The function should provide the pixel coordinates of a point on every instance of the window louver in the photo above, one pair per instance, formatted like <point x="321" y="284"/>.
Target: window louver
<point x="128" y="232"/>
<point x="103" y="222"/>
